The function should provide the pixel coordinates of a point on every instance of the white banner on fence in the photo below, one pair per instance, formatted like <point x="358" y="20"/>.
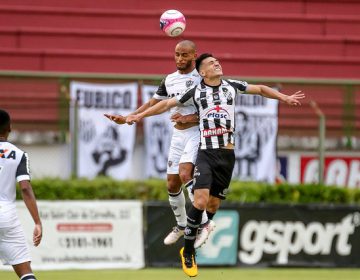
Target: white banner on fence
<point x="103" y="148"/>
<point x="87" y="234"/>
<point x="158" y="131"/>
<point x="255" y="138"/>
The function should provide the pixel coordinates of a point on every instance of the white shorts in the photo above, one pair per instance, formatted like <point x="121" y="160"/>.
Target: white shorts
<point x="13" y="246"/>
<point x="183" y="148"/>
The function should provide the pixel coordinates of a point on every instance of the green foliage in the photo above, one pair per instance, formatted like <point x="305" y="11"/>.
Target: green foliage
<point x="285" y="193"/>
<point x="249" y="192"/>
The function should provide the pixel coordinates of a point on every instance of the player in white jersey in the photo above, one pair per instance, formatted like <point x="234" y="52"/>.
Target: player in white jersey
<point x="14" y="166"/>
<point x="214" y="99"/>
<point x="185" y="139"/>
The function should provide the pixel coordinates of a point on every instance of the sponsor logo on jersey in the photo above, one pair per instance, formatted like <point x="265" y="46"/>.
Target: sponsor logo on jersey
<point x="217" y="113"/>
<point x="7" y="154"/>
<point x="214" y="131"/>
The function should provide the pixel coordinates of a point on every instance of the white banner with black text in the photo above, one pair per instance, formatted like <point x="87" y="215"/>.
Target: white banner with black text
<point x="157" y="132"/>
<point x="256" y="120"/>
<point x="102" y="147"/>
<point x="86" y="234"/>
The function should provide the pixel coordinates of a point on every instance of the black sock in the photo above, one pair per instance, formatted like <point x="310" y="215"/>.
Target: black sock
<point x="210" y="215"/>
<point x="193" y="223"/>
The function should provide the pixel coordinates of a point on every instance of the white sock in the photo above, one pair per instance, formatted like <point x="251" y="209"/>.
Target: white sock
<point x="189" y="186"/>
<point x="177" y="203"/>
<point x="204" y="218"/>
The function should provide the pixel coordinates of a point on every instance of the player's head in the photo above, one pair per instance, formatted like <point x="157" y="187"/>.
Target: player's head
<point x="185" y="55"/>
<point x="4" y="123"/>
<point x="208" y="66"/>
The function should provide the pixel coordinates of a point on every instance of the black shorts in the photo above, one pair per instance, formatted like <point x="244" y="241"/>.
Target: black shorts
<point x="213" y="170"/>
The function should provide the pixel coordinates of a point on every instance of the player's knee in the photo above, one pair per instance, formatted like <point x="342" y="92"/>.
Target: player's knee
<point x="213" y="204"/>
<point x="186" y="172"/>
<point x="200" y="204"/>
<point x="201" y="201"/>
<point x="173" y="186"/>
<point x="185" y="176"/>
<point x="212" y="208"/>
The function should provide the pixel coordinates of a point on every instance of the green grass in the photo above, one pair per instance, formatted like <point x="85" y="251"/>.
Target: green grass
<point x="204" y="273"/>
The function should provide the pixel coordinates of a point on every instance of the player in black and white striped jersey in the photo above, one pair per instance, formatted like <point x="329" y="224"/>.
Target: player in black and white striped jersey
<point x="214" y="99"/>
<point x="14" y="166"/>
<point x="216" y="111"/>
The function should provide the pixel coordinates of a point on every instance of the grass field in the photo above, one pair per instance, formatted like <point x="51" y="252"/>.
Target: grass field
<point x="204" y="273"/>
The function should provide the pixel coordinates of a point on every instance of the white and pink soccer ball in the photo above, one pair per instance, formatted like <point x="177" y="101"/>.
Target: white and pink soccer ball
<point x="172" y="22"/>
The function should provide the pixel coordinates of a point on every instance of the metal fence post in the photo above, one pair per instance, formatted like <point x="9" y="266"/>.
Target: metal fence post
<point x="321" y="147"/>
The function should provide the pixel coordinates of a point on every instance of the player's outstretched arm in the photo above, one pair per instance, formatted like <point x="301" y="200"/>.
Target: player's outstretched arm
<point x="30" y="202"/>
<point x="145" y="106"/>
<point x="157" y="109"/>
<point x="268" y="92"/>
<point x="119" y="119"/>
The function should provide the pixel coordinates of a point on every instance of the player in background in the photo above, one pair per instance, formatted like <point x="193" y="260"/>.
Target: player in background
<point x="184" y="142"/>
<point x="215" y="99"/>
<point x="14" y="166"/>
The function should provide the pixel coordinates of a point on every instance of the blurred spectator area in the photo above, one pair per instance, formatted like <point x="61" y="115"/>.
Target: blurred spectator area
<point x="269" y="39"/>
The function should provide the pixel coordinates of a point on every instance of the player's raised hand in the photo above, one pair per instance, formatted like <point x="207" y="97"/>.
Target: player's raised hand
<point x="294" y="99"/>
<point x="37" y="235"/>
<point x="116" y="118"/>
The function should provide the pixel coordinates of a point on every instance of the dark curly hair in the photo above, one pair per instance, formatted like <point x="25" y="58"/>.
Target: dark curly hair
<point x="4" y="121"/>
<point x="200" y="59"/>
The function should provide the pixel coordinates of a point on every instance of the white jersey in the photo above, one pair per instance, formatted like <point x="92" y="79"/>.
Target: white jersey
<point x="14" y="166"/>
<point x="216" y="108"/>
<point x="176" y="84"/>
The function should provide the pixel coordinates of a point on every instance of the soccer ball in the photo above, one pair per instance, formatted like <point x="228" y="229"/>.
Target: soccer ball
<point x="172" y="22"/>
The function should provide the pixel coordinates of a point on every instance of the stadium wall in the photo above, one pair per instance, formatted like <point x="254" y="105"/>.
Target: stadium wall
<point x="129" y="234"/>
<point x="265" y="235"/>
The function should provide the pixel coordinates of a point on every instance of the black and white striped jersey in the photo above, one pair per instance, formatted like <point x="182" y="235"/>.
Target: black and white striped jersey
<point x="216" y="109"/>
<point x="175" y="84"/>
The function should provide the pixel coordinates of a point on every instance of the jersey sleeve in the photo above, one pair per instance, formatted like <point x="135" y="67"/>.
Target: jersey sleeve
<point x="23" y="169"/>
<point x="239" y="85"/>
<point x="161" y="92"/>
<point x="187" y="97"/>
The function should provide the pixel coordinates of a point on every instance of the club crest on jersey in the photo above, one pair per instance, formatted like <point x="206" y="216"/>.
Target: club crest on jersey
<point x="189" y="83"/>
<point x="217" y="113"/>
<point x="226" y="93"/>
